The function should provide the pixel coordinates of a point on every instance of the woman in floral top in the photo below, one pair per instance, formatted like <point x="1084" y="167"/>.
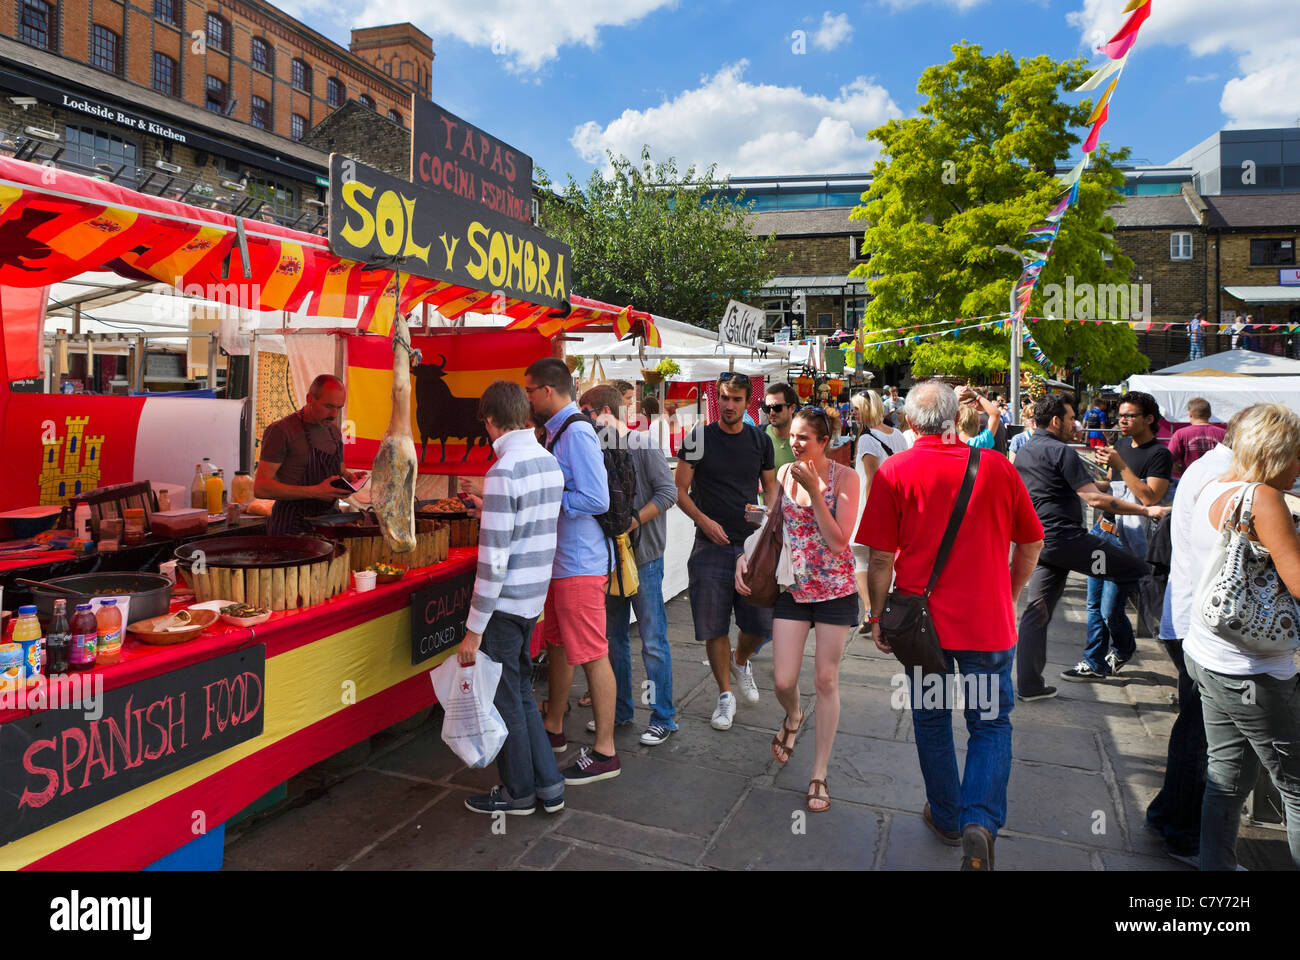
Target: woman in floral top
<point x="819" y="506"/>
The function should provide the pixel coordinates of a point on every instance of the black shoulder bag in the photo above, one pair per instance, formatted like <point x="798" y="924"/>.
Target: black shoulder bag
<point x="905" y="624"/>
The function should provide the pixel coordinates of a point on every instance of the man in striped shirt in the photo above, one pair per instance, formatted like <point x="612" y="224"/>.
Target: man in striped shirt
<point x="519" y="511"/>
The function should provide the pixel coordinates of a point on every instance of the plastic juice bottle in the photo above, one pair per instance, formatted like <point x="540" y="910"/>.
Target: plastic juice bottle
<point x="108" y="642"/>
<point x="214" y="486"/>
<point x="198" y="492"/>
<point x="57" y="641"/>
<point x="27" y="634"/>
<point x="85" y="638"/>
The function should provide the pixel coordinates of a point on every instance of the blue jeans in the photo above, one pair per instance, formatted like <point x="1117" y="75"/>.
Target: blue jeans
<point x="980" y="795"/>
<point x="652" y="622"/>
<point x="526" y="762"/>
<point x="1108" y="624"/>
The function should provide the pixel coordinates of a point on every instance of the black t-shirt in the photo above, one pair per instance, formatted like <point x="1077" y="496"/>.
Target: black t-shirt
<point x="728" y="473"/>
<point x="1052" y="472"/>
<point x="1151" y="460"/>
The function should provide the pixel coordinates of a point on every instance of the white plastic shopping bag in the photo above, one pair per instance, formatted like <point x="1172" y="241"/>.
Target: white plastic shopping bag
<point x="472" y="725"/>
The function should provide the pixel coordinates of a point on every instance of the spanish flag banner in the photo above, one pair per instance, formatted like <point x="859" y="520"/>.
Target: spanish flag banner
<point x="453" y="372"/>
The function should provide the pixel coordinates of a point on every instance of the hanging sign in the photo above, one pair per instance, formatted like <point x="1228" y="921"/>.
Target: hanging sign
<point x="373" y="216"/>
<point x="740" y="324"/>
<point x="450" y="155"/>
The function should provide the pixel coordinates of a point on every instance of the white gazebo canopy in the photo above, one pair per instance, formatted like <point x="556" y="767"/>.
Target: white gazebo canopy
<point x="1241" y="363"/>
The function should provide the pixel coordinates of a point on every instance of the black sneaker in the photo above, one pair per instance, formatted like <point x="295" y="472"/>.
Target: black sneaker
<point x="587" y="769"/>
<point x="1044" y="694"/>
<point x="1115" y="663"/>
<point x="655" y="735"/>
<point x="495" y="801"/>
<point x="1082" y="673"/>
<point x="553" y="806"/>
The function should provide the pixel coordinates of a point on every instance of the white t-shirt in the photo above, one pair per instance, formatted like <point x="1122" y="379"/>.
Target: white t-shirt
<point x="1200" y="644"/>
<point x="896" y="442"/>
<point x="867" y="445"/>
<point x="1214" y="463"/>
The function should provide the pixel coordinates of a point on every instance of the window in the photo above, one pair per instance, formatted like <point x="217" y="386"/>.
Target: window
<point x="366" y="101"/>
<point x="1272" y="253"/>
<point x="105" y="49"/>
<point x="88" y="146"/>
<point x="276" y="195"/>
<point x="857" y="250"/>
<point x="394" y="116"/>
<point x="855" y="308"/>
<point x="301" y="75"/>
<point x="164" y="75"/>
<point x="298" y="126"/>
<point x="334" y="92"/>
<point x="165" y="10"/>
<point x="36" y="24"/>
<point x="216" y="99"/>
<point x="824" y="321"/>
<point x="260" y="116"/>
<point x="1180" y="246"/>
<point x="262" y="59"/>
<point x="218" y="33"/>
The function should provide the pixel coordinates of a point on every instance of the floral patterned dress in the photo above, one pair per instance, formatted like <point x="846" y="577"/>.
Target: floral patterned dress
<point x="819" y="574"/>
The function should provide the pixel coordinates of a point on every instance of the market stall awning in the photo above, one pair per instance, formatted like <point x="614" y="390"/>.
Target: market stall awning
<point x="1265" y="295"/>
<point x="822" y="285"/>
<point x="1235" y="363"/>
<point x="55" y="224"/>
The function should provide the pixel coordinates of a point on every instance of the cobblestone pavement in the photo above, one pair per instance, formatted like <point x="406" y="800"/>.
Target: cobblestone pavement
<point x="1086" y="765"/>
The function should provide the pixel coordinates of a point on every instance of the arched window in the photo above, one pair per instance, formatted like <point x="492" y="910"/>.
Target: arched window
<point x="262" y="59"/>
<point x="260" y="114"/>
<point x="298" y="126"/>
<point x="72" y="444"/>
<point x="394" y="116"/>
<point x="165" y="74"/>
<point x="63" y="489"/>
<point x="334" y="92"/>
<point x="93" y="451"/>
<point x="105" y="49"/>
<point x="38" y="25"/>
<point x="51" y="457"/>
<point x="301" y="75"/>
<point x="366" y="101"/>
<point x="77" y="487"/>
<point x="218" y="32"/>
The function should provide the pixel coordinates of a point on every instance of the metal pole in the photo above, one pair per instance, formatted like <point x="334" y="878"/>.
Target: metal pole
<point x="252" y="400"/>
<point x="1014" y="393"/>
<point x="212" y="361"/>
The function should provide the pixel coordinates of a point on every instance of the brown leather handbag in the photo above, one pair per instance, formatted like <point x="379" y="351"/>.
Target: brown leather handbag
<point x="760" y="572"/>
<point x="905" y="623"/>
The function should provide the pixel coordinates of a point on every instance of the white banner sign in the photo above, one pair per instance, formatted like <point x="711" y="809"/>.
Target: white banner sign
<point x="1289" y="277"/>
<point x="741" y="324"/>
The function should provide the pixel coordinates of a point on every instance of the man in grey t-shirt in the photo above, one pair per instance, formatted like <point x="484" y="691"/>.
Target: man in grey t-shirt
<point x="655" y="494"/>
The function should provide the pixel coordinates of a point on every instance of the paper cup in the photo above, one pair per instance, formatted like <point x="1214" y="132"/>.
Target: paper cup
<point x="364" y="580"/>
<point x="168" y="570"/>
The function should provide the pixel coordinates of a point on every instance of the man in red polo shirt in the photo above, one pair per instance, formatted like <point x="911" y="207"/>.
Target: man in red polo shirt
<point x="973" y="609"/>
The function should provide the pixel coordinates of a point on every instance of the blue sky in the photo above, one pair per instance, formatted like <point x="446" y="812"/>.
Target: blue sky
<point x="720" y="81"/>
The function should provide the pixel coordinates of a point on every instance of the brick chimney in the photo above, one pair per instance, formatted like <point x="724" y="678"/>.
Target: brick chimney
<point x="400" y="50"/>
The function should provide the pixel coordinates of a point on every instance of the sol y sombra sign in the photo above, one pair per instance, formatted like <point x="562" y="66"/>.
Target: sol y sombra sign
<point x="373" y="215"/>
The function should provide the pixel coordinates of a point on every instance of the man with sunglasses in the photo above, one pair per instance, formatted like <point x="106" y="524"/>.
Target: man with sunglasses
<point x="719" y="472"/>
<point x="781" y="403"/>
<point x="1140" y="470"/>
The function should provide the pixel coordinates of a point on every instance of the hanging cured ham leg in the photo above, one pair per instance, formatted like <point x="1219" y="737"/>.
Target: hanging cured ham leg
<point x="392" y="483"/>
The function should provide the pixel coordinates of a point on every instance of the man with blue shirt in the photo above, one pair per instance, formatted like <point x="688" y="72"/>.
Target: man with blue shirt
<point x="574" y="624"/>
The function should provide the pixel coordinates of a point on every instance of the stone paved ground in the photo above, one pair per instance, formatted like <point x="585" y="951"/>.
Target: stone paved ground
<point x="1085" y="767"/>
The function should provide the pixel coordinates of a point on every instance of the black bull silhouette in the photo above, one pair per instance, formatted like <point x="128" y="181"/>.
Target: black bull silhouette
<point x="439" y="414"/>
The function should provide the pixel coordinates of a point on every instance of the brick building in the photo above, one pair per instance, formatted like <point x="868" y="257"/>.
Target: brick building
<point x="206" y="101"/>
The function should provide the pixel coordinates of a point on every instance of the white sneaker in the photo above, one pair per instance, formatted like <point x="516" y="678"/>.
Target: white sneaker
<point x="744" y="678"/>
<point x="725" y="713"/>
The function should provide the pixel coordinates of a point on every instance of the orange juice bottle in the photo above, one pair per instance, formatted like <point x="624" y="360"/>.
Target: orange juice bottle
<point x="108" y="626"/>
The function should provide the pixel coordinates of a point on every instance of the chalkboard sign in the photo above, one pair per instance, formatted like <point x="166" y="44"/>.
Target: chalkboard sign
<point x="438" y="616"/>
<point x="59" y="762"/>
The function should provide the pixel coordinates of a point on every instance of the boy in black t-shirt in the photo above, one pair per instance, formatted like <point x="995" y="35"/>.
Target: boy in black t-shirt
<point x="719" y="470"/>
<point x="1140" y="470"/>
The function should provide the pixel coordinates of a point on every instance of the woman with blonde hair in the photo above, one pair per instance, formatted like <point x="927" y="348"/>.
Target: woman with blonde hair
<point x="891" y="437"/>
<point x="1249" y="698"/>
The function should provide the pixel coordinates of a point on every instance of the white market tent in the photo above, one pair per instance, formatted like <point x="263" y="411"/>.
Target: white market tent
<point x="1227" y="395"/>
<point x="1241" y="363"/>
<point x="695" y="349"/>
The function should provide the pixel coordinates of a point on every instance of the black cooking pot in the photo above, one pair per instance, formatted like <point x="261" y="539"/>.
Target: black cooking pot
<point x="151" y="593"/>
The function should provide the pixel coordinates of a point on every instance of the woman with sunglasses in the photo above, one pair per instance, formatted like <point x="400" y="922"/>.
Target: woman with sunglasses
<point x="819" y="504"/>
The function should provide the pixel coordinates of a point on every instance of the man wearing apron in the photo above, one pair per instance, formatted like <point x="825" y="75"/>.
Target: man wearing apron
<point x="300" y="458"/>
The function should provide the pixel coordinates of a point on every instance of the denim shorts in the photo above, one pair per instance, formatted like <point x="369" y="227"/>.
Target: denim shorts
<point x="840" y="612"/>
<point x="712" y="573"/>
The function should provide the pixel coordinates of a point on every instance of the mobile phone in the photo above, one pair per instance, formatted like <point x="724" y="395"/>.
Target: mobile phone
<point x="466" y="499"/>
<point x="341" y="484"/>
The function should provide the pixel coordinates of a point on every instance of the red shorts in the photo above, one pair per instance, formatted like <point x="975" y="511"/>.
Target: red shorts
<point x="575" y="618"/>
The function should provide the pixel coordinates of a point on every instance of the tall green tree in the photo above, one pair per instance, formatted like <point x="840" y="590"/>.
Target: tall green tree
<point x="973" y="170"/>
<point x="659" y="239"/>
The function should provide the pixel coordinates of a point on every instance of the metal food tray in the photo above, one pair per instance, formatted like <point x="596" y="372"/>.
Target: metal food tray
<point x="256" y="552"/>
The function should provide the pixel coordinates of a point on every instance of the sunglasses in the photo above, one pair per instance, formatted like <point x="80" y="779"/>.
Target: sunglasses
<point x="775" y="407"/>
<point x="740" y="379"/>
<point x="814" y="411"/>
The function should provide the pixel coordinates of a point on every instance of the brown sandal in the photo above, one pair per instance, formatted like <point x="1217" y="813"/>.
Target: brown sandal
<point x="584" y="700"/>
<point x="542" y="704"/>
<point x="778" y="741"/>
<point x="814" y="794"/>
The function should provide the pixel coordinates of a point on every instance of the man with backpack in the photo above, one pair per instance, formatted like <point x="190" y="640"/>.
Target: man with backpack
<point x="652" y="495"/>
<point x="1094" y="420"/>
<point x="574" y="616"/>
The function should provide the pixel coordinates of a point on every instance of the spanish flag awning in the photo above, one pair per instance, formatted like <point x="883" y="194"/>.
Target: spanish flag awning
<point x="55" y="224"/>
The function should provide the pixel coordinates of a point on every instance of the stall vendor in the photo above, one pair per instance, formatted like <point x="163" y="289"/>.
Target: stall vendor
<point x="301" y="460"/>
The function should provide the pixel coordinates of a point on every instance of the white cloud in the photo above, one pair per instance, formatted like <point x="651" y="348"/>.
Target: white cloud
<point x="833" y="31"/>
<point x="962" y="5"/>
<point x="1262" y="36"/>
<point x="528" y="33"/>
<point x="1202" y="78"/>
<point x="749" y="128"/>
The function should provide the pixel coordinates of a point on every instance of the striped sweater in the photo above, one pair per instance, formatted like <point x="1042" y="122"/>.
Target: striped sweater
<point x="516" y="540"/>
